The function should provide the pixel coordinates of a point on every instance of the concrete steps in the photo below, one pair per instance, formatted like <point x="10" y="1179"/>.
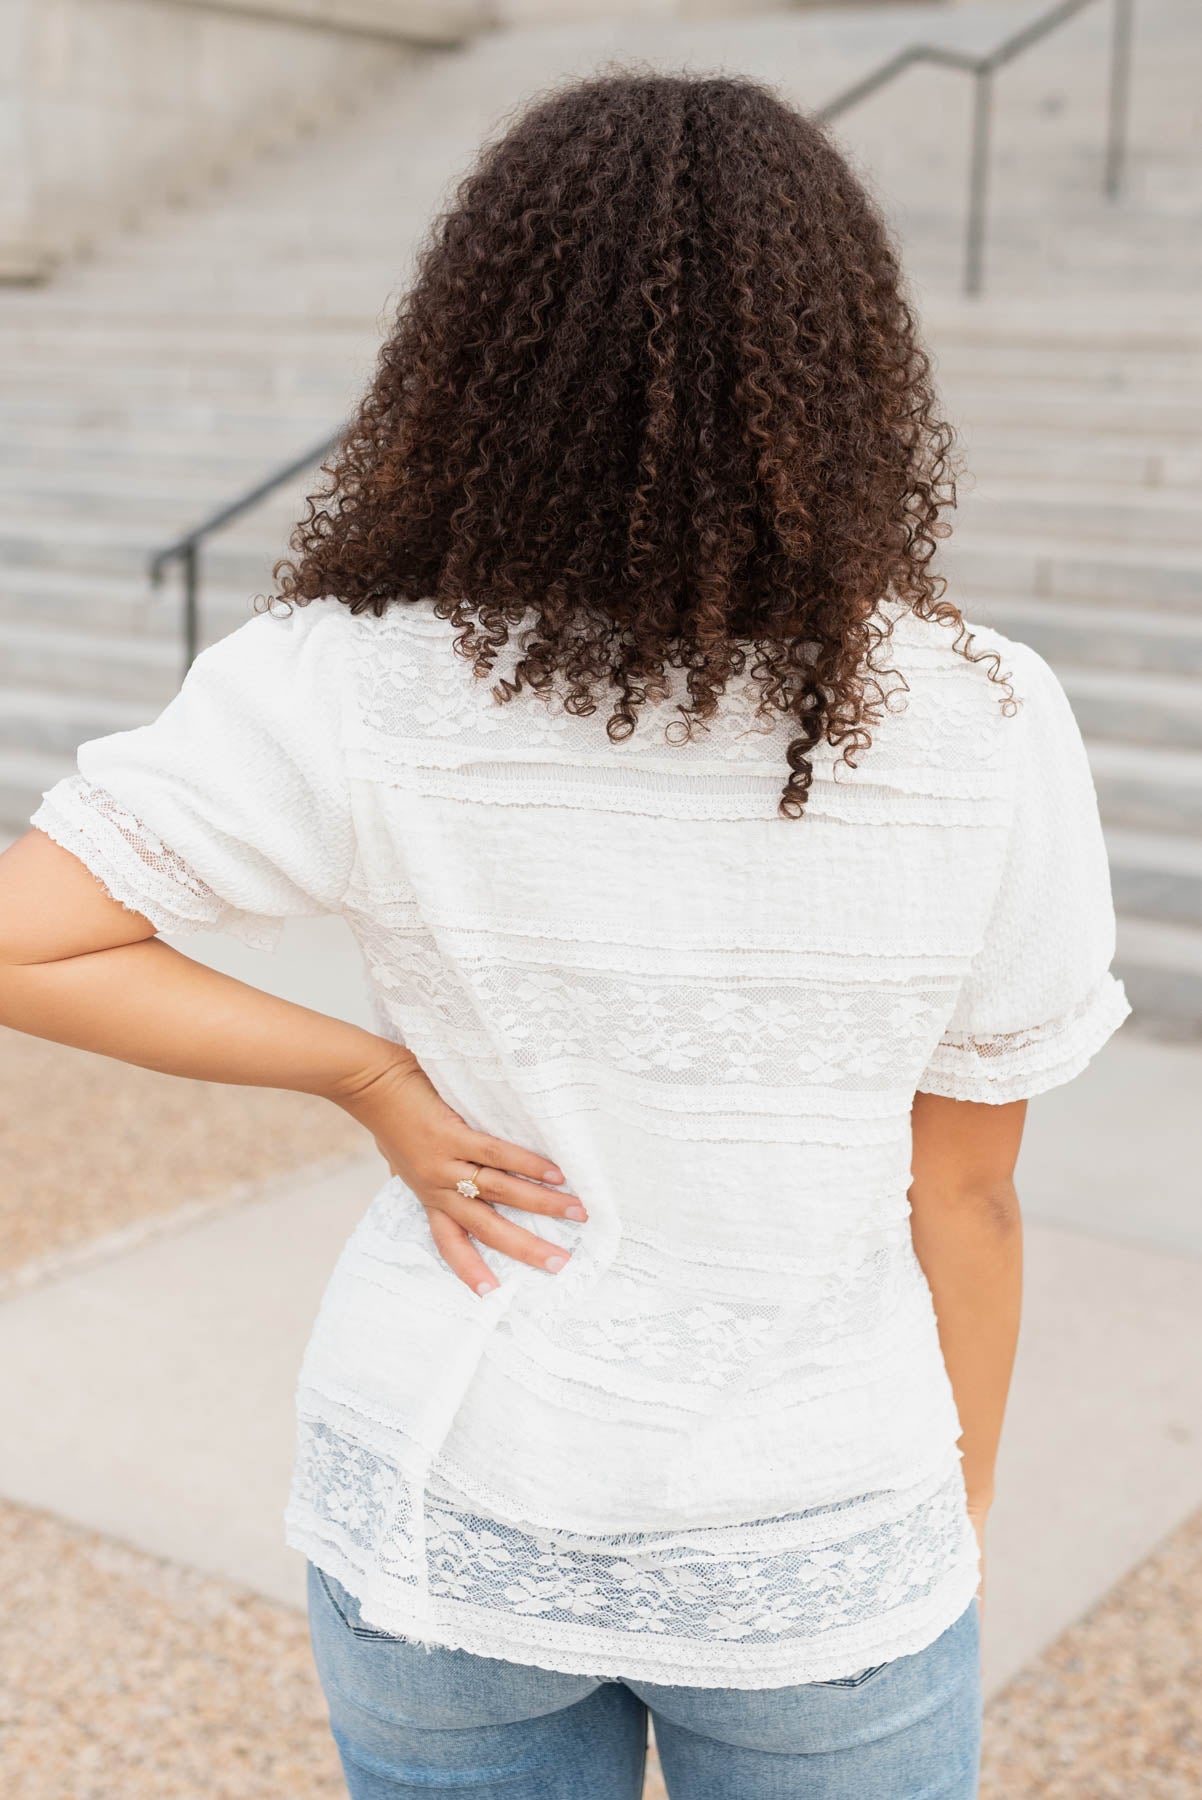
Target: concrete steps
<point x="125" y="413"/>
<point x="1162" y="966"/>
<point x="40" y="719"/>
<point x="1107" y="513"/>
<point x="1055" y="569"/>
<point x="85" y="547"/>
<point x="55" y="600"/>
<point x="1043" y="406"/>
<point x="1133" y="707"/>
<point x="1066" y="364"/>
<point x="69" y="664"/>
<point x="1157" y="876"/>
<point x="24" y="774"/>
<point x="1076" y="461"/>
<point x="186" y="362"/>
<point x="1080" y="634"/>
<point x="1147" y="787"/>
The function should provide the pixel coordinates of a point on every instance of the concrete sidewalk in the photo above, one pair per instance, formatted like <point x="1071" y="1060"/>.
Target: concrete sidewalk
<point x="152" y="1388"/>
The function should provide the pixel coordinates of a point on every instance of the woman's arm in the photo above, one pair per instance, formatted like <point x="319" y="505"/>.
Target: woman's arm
<point x="82" y="970"/>
<point x="967" y="1231"/>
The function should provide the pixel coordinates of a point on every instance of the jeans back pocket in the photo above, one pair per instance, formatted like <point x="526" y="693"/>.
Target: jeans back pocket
<point x="347" y="1608"/>
<point x="853" y="1681"/>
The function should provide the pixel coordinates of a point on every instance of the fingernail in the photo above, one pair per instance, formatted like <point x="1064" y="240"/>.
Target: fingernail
<point x="575" y="1212"/>
<point x="485" y="1287"/>
<point x="552" y="1174"/>
<point x="554" y="1264"/>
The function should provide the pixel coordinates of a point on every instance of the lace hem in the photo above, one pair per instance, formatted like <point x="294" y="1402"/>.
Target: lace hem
<point x="778" y="1597"/>
<point x="136" y="869"/>
<point x="522" y="1632"/>
<point x="1021" y="1064"/>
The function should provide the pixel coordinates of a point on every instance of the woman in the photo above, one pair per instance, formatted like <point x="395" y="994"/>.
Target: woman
<point x="724" y="900"/>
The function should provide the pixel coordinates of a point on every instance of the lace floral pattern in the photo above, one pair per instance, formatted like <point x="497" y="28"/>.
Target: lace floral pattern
<point x="680" y="1334"/>
<point x="710" y="1609"/>
<point x="1016" y="1065"/>
<point x="126" y="855"/>
<point x="720" y="1447"/>
<point x="774" y="1032"/>
<point x="693" y="1593"/>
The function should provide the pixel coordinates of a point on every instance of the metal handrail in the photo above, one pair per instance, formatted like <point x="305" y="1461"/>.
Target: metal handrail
<point x="186" y="549"/>
<point x="983" y="69"/>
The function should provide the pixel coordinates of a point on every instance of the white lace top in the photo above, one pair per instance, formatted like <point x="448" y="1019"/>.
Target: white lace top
<point x="719" y="1449"/>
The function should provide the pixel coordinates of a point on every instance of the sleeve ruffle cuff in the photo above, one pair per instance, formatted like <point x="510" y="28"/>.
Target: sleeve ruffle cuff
<point x="1020" y="1064"/>
<point x="137" y="869"/>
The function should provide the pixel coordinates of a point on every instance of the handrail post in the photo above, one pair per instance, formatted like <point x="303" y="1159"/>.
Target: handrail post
<point x="190" y="557"/>
<point x="187" y="550"/>
<point x="978" y="180"/>
<point x="1120" y="96"/>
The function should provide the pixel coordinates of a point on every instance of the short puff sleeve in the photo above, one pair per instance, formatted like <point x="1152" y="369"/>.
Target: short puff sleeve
<point x="231" y="810"/>
<point x="1039" y="999"/>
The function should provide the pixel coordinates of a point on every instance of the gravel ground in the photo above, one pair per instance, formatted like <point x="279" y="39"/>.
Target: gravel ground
<point x="126" y="1678"/>
<point x="123" y="1677"/>
<point x="89" y="1146"/>
<point x="1111" y="1710"/>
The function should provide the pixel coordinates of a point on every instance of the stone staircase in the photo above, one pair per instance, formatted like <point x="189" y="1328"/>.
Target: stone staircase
<point x="179" y="367"/>
<point x="1082" y="537"/>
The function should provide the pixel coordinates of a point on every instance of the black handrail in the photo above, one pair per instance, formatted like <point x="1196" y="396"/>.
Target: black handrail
<point x="983" y="69"/>
<point x="186" y="550"/>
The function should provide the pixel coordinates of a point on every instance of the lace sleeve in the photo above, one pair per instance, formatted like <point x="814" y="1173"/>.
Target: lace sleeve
<point x="1016" y="1065"/>
<point x="231" y="811"/>
<point x="1039" y="999"/>
<point x="136" y="868"/>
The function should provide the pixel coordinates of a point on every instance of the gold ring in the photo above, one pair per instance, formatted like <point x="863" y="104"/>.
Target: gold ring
<point x="468" y="1187"/>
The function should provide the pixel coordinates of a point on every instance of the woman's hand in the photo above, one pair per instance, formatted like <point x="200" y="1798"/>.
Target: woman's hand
<point x="429" y="1146"/>
<point x="79" y="968"/>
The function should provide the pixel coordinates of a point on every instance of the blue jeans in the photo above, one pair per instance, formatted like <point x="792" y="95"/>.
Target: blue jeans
<point x="412" y="1721"/>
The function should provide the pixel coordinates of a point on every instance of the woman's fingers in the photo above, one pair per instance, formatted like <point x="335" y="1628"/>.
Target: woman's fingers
<point x="495" y="1153"/>
<point x="453" y="1239"/>
<point x="510" y="1190"/>
<point x="460" y="1254"/>
<point x="477" y="1217"/>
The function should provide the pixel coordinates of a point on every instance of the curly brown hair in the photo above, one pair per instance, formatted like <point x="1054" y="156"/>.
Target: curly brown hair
<point x="656" y="387"/>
